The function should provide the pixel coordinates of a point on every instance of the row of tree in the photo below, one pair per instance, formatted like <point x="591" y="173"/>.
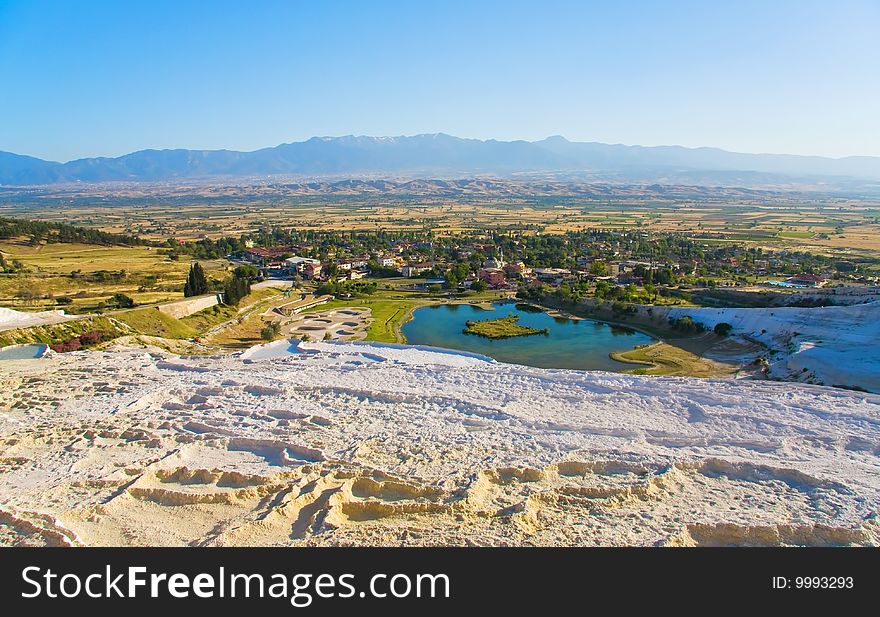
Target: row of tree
<point x="40" y="231"/>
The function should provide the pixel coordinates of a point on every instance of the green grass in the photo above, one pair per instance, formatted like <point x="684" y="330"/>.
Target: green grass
<point x="208" y="318"/>
<point x="388" y="315"/>
<point x="153" y="322"/>
<point x="503" y="327"/>
<point x="58" y="333"/>
<point x="665" y="359"/>
<point x="802" y="235"/>
<point x="391" y="308"/>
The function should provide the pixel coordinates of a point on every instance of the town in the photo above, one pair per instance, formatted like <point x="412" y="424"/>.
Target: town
<point x="614" y="265"/>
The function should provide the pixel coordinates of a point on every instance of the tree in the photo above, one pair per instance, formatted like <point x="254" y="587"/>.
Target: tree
<point x="723" y="328"/>
<point x="235" y="289"/>
<point x="122" y="301"/>
<point x="247" y="271"/>
<point x="26" y="295"/>
<point x="479" y="286"/>
<point x="196" y="282"/>
<point x="271" y="330"/>
<point x="599" y="268"/>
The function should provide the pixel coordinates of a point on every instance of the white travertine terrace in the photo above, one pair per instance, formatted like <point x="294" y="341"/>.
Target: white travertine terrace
<point x="353" y="444"/>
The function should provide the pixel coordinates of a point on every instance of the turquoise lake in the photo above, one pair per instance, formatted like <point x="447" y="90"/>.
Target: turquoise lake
<point x="581" y="344"/>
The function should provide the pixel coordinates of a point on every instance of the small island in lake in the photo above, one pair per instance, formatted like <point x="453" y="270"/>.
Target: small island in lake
<point x="503" y="327"/>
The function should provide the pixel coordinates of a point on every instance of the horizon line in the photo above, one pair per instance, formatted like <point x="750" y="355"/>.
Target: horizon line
<point x="441" y="134"/>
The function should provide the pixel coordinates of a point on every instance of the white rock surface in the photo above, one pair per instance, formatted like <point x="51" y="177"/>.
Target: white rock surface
<point x="11" y="319"/>
<point x="367" y="444"/>
<point x="833" y="345"/>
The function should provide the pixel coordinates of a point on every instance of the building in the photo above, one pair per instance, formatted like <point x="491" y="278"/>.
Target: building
<point x="551" y="274"/>
<point x="387" y="262"/>
<point x="632" y="264"/>
<point x="806" y="280"/>
<point x="298" y="264"/>
<point x="493" y="277"/>
<point x="268" y="257"/>
<point x="628" y="278"/>
<point x="415" y="269"/>
<point x="353" y="263"/>
<point x="312" y="270"/>
<point x="353" y="275"/>
<point x="516" y="268"/>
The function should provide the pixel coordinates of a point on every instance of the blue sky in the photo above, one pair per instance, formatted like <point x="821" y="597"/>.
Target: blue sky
<point x="105" y="78"/>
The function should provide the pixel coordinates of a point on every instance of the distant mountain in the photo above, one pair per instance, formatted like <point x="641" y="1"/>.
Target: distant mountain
<point x="439" y="155"/>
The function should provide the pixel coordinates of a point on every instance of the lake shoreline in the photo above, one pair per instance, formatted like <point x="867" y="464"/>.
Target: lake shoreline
<point x="671" y="353"/>
<point x="569" y="342"/>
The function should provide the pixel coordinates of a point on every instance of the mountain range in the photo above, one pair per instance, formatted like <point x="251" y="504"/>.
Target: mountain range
<point x="440" y="155"/>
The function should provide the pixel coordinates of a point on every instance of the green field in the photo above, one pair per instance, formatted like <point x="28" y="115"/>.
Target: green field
<point x="90" y="274"/>
<point x="800" y="235"/>
<point x="388" y="315"/>
<point x="57" y="333"/>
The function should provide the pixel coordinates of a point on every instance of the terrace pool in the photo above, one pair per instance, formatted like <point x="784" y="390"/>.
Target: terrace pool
<point x="23" y="352"/>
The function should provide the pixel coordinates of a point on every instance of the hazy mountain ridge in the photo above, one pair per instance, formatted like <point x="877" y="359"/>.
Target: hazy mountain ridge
<point x="440" y="155"/>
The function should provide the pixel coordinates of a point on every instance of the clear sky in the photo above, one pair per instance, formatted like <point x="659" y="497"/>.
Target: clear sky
<point x="90" y="78"/>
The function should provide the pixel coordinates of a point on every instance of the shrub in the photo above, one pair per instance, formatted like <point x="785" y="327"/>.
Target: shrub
<point x="723" y="329"/>
<point x="90" y="338"/>
<point x="69" y="345"/>
<point x="687" y="325"/>
<point x="122" y="301"/>
<point x="622" y="308"/>
<point x="270" y="331"/>
<point x="86" y="339"/>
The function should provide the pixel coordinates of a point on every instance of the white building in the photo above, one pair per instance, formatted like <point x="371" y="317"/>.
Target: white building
<point x="298" y="264"/>
<point x="414" y="269"/>
<point x="387" y="262"/>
